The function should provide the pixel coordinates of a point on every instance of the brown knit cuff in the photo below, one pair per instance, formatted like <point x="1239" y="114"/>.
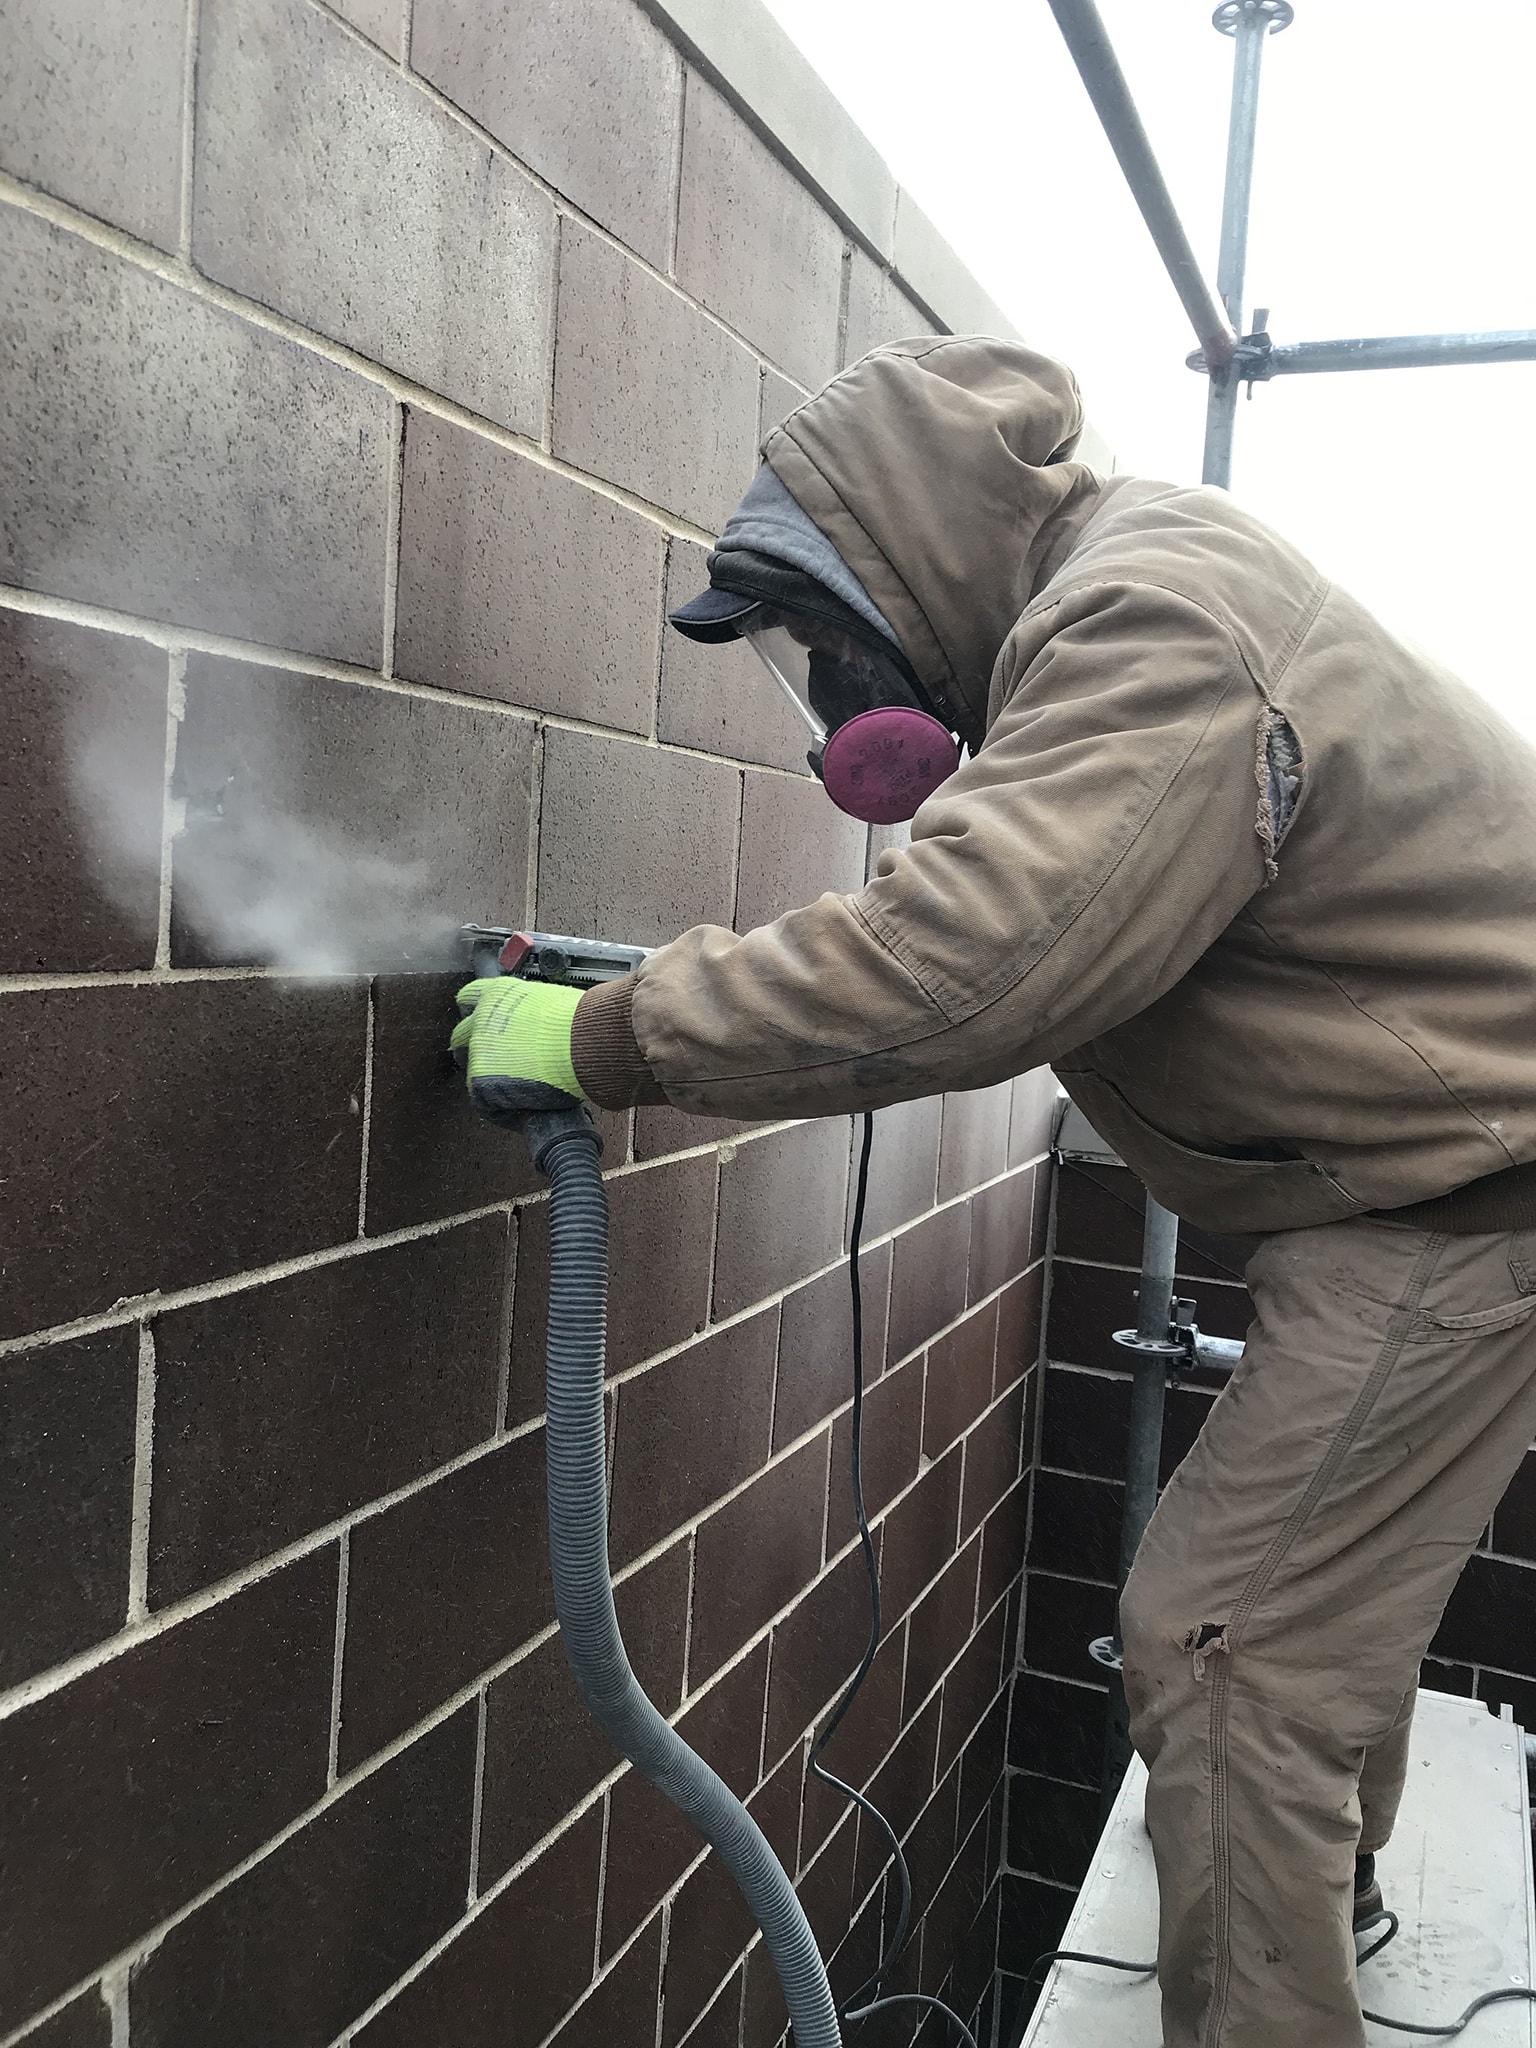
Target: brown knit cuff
<point x="1500" y="1201"/>
<point x="605" y="1052"/>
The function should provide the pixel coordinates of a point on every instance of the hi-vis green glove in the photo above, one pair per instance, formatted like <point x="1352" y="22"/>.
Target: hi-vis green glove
<point x="514" y="1044"/>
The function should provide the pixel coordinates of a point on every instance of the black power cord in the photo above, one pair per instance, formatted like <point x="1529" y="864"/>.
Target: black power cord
<point x="1447" y="2033"/>
<point x="863" y="2003"/>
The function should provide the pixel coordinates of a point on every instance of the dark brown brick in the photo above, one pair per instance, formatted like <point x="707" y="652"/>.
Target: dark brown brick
<point x="150" y="489"/>
<point x="928" y="1278"/>
<point x="950" y="1914"/>
<point x="160" y="1136"/>
<point x="1029" y="1925"/>
<point x="659" y="1225"/>
<point x="281" y="1408"/>
<point x="650" y="1845"/>
<point x="439" y="1587"/>
<point x="1020" y="1308"/>
<point x="861" y="1741"/>
<point x="519" y="583"/>
<point x="1061" y="1618"/>
<point x="589" y="101"/>
<point x="815" y="1651"/>
<point x="816" y="1344"/>
<point x="781" y="1210"/>
<point x="1514" y="1521"/>
<point x="931" y="1844"/>
<point x="690" y="1430"/>
<point x="893" y="1427"/>
<point x="903" y="1164"/>
<point x="919" y="1537"/>
<point x="795" y="845"/>
<point x="296" y="121"/>
<point x="879" y="310"/>
<point x="1076" y="1526"/>
<point x="543" y="1751"/>
<point x="622" y="2006"/>
<point x="981" y="1765"/>
<point x="331" y="827"/>
<point x="648" y="393"/>
<point x="1002" y="1543"/>
<point x="507" y="1976"/>
<point x="1001" y="1218"/>
<point x="1089" y="1303"/>
<point x="710" y="1928"/>
<point x="722" y="700"/>
<point x="90" y="109"/>
<point x="826" y="1886"/>
<point x="173" y="1761"/>
<point x="661" y="1130"/>
<point x="303" y="1943"/>
<point x="1493" y="1605"/>
<point x="993" y="1456"/>
<point x="941" y="1625"/>
<point x="900" y="1789"/>
<point x="66" y="1497"/>
<point x="959" y="1380"/>
<point x="755" y="1554"/>
<point x="1099" y="1216"/>
<point x="1033" y="1119"/>
<point x="82" y="771"/>
<point x="636" y="843"/>
<point x="85" y="2023"/>
<point x="429" y="1154"/>
<point x="971" y="1687"/>
<point x="753" y="244"/>
<point x="1057" y="1729"/>
<point x="1052" y="1829"/>
<point x="975" y="1141"/>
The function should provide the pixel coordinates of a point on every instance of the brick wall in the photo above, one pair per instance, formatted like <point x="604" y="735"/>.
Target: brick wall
<point x="1486" y="1647"/>
<point x="373" y="375"/>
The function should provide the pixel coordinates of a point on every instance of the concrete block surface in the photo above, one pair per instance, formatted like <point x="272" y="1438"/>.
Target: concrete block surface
<point x="418" y="246"/>
<point x="587" y="93"/>
<point x="753" y="244"/>
<point x="879" y="310"/>
<point x="520" y="584"/>
<point x="91" y="107"/>
<point x="795" y="844"/>
<point x="381" y="21"/>
<point x="82" y="773"/>
<point x="637" y="843"/>
<point x="333" y="828"/>
<point x="164" y="457"/>
<point x="648" y="393"/>
<point x="721" y="700"/>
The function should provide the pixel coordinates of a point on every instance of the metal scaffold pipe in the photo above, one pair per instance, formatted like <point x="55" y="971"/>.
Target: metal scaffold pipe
<point x="1088" y="40"/>
<point x="1400" y="352"/>
<point x="1248" y="22"/>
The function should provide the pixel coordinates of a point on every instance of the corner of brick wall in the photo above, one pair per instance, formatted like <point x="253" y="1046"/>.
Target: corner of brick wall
<point x="381" y="372"/>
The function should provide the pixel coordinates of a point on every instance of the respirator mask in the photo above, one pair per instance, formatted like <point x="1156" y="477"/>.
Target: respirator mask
<point x="878" y="752"/>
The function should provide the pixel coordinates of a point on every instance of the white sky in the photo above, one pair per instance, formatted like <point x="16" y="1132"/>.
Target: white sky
<point x="1393" y="195"/>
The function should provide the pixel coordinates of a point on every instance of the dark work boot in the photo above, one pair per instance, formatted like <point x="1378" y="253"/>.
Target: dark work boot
<point x="1367" y="1891"/>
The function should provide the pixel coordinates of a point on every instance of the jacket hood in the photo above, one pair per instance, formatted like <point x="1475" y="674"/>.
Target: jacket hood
<point x="940" y="471"/>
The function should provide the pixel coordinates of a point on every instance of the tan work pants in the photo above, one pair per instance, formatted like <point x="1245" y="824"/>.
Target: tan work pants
<point x="1288" y="1585"/>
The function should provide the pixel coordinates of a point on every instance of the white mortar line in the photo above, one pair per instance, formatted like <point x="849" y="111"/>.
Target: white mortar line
<point x="343" y="1574"/>
<point x="602" y="1886"/>
<point x="547" y="430"/>
<point x="172" y="809"/>
<point x="366" y="1108"/>
<point x="394" y="487"/>
<point x="188" y="132"/>
<point x="174" y="271"/>
<point x="114" y="1993"/>
<point x="504" y="1336"/>
<point x="472" y="1891"/>
<point x="143" y="1461"/>
<point x="675" y="196"/>
<point x="407" y="28"/>
<point x="693" y="1551"/>
<point x="535" y="828"/>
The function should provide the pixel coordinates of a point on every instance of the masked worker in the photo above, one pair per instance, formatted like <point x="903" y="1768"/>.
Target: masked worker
<point x="1260" y="885"/>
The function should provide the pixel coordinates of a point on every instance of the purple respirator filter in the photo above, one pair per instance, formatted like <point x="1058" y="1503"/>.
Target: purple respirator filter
<point x="882" y="764"/>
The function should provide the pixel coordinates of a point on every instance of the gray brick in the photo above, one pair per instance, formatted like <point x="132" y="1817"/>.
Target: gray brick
<point x="753" y="244"/>
<point x="721" y="699"/>
<point x="90" y="107"/>
<point x="335" y="827"/>
<point x="420" y="246"/>
<point x="780" y="398"/>
<point x="648" y="393"/>
<point x="165" y="457"/>
<point x="879" y="310"/>
<point x="382" y="21"/>
<point x="519" y="584"/>
<point x="82" y="772"/>
<point x="795" y="843"/>
<point x="586" y="92"/>
<point x="637" y="843"/>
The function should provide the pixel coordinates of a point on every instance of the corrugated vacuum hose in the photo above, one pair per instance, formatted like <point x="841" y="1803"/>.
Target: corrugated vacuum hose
<point x="566" y="1148"/>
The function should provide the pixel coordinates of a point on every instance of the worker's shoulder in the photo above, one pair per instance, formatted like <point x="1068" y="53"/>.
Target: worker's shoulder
<point x="1197" y="545"/>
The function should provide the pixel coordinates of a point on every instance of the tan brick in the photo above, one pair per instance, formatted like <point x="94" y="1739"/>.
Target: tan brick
<point x="420" y="247"/>
<point x="648" y="393"/>
<point x="795" y="843"/>
<point x="753" y="244"/>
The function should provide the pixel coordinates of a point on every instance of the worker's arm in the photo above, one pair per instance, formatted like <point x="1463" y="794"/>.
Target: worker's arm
<point x="1061" y="881"/>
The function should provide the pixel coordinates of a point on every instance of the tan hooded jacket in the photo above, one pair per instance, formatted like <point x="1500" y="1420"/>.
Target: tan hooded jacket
<point x="1272" y="1035"/>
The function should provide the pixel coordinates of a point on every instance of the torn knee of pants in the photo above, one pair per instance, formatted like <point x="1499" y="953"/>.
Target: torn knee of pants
<point x="1208" y="1640"/>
